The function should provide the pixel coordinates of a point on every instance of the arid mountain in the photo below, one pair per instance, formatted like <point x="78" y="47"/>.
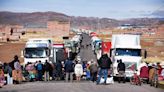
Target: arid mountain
<point x="159" y="13"/>
<point x="40" y="19"/>
<point x="93" y="22"/>
<point x="141" y="21"/>
<point x="25" y="18"/>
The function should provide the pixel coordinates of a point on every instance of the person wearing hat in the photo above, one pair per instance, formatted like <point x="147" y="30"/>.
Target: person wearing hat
<point x="93" y="71"/>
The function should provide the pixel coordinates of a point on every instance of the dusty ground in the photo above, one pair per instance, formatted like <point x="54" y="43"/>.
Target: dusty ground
<point x="54" y="86"/>
<point x="153" y="44"/>
<point x="8" y="50"/>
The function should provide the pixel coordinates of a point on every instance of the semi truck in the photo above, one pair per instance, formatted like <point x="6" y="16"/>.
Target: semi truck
<point x="59" y="53"/>
<point x="127" y="47"/>
<point x="43" y="49"/>
<point x="38" y="49"/>
<point x="96" y="44"/>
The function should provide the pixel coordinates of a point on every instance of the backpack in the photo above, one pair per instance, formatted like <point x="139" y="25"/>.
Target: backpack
<point x="70" y="66"/>
<point x="39" y="67"/>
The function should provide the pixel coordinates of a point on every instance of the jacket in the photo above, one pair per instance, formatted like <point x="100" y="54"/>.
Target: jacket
<point x="144" y="72"/>
<point x="69" y="66"/>
<point x="93" y="68"/>
<point x="104" y="62"/>
<point x="121" y="66"/>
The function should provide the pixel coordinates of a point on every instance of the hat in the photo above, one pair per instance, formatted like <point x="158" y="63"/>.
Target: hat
<point x="15" y="57"/>
<point x="150" y="64"/>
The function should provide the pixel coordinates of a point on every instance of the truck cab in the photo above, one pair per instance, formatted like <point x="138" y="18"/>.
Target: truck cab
<point x="37" y="49"/>
<point x="127" y="48"/>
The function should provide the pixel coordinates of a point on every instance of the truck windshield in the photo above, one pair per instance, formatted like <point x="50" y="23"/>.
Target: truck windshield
<point x="128" y="52"/>
<point x="35" y="52"/>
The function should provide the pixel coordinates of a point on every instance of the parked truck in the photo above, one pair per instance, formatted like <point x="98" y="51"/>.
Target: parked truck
<point x="126" y="47"/>
<point x="59" y="53"/>
<point x="96" y="44"/>
<point x="38" y="49"/>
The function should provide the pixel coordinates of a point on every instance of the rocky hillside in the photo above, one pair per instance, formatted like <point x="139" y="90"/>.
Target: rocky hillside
<point x="41" y="18"/>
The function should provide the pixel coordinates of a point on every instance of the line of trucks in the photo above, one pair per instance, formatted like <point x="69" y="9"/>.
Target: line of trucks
<point x="44" y="49"/>
<point x="123" y="46"/>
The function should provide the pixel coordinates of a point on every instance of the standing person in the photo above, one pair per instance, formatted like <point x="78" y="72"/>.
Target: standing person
<point x="30" y="69"/>
<point x="17" y="71"/>
<point x="93" y="71"/>
<point x="5" y="69"/>
<point x="59" y="70"/>
<point x="2" y="77"/>
<point x="40" y="69"/>
<point x="159" y="68"/>
<point x="47" y="68"/>
<point x="8" y="70"/>
<point x="162" y="73"/>
<point x="69" y="69"/>
<point x="121" y="71"/>
<point x="51" y="71"/>
<point x="78" y="71"/>
<point x="104" y="63"/>
<point x="151" y="72"/>
<point x="36" y="72"/>
<point x="144" y="73"/>
<point x="88" y="74"/>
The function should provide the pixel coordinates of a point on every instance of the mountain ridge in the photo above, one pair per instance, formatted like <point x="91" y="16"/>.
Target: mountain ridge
<point x="40" y="18"/>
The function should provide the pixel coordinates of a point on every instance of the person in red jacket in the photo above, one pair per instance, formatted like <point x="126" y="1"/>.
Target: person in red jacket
<point x="144" y="73"/>
<point x="159" y="68"/>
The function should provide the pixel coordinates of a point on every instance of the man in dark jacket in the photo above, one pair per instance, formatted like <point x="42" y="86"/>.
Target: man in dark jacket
<point x="47" y="68"/>
<point x="104" y="64"/>
<point x="59" y="70"/>
<point x="121" y="71"/>
<point x="69" y="69"/>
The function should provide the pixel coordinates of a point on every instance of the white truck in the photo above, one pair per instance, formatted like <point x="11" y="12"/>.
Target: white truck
<point x="38" y="49"/>
<point x="96" y="46"/>
<point x="126" y="47"/>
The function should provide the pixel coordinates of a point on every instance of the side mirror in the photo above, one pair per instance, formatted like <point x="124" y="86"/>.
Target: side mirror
<point x="22" y="53"/>
<point x="145" y="54"/>
<point x="110" y="54"/>
<point x="48" y="52"/>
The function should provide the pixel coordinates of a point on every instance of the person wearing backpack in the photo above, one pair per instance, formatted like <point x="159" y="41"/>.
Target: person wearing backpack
<point x="59" y="70"/>
<point x="40" y="69"/>
<point x="69" y="69"/>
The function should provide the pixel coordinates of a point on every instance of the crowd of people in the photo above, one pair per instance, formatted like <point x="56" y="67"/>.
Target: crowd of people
<point x="70" y="70"/>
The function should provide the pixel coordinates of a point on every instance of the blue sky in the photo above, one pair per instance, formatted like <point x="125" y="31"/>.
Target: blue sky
<point x="118" y="9"/>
